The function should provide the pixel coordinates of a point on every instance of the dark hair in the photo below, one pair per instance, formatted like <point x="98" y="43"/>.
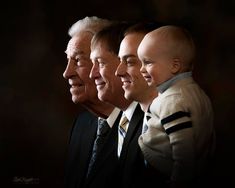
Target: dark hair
<point x="143" y="27"/>
<point x="111" y="35"/>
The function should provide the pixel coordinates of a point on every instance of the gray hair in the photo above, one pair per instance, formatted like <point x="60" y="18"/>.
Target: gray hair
<point x="91" y="24"/>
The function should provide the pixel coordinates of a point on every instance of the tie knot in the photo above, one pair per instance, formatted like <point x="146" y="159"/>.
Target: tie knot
<point x="123" y="122"/>
<point x="103" y="127"/>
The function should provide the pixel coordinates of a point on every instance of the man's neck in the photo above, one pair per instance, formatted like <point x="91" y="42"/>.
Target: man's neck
<point x="99" y="108"/>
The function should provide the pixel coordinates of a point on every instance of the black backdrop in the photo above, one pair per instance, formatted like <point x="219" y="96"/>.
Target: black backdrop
<point x="36" y="108"/>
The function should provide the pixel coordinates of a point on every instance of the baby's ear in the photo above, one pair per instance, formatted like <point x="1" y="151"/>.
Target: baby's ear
<point x="176" y="66"/>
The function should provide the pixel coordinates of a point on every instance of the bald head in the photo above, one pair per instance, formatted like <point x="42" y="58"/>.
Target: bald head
<point x="170" y="42"/>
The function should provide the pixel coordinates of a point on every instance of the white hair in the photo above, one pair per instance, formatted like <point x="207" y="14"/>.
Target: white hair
<point x="91" y="24"/>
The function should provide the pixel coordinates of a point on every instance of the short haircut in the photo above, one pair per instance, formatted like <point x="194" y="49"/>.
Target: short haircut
<point x="142" y="27"/>
<point x="111" y="35"/>
<point x="91" y="24"/>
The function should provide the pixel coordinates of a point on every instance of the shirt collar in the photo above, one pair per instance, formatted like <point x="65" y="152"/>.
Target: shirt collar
<point x="113" y="116"/>
<point x="130" y="110"/>
<point x="165" y="85"/>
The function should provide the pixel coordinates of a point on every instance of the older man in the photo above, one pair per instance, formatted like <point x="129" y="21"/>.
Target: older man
<point x="86" y="131"/>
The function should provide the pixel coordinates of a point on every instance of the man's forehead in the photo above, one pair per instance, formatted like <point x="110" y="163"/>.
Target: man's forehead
<point x="74" y="50"/>
<point x="127" y="51"/>
<point x="77" y="47"/>
<point x="97" y="53"/>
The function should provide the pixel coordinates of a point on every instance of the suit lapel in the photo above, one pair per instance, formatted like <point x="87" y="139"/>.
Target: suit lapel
<point x="86" y="145"/>
<point x="109" y="150"/>
<point x="135" y="123"/>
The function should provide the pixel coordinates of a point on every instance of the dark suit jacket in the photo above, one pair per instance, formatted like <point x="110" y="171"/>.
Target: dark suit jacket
<point x="104" y="171"/>
<point x="81" y="141"/>
<point x="134" y="173"/>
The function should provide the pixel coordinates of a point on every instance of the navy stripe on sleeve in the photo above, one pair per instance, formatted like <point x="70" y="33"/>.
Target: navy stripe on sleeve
<point x="178" y="127"/>
<point x="174" y="116"/>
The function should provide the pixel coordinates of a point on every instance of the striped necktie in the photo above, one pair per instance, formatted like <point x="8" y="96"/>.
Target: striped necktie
<point x="122" y="129"/>
<point x="102" y="131"/>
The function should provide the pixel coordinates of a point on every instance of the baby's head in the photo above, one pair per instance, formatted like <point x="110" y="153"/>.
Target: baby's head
<point x="166" y="52"/>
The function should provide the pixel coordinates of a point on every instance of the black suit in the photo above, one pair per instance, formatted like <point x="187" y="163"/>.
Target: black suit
<point x="81" y="142"/>
<point x="105" y="169"/>
<point x="134" y="172"/>
<point x="131" y="159"/>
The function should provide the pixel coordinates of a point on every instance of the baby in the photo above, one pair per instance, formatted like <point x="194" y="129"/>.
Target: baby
<point x="180" y="135"/>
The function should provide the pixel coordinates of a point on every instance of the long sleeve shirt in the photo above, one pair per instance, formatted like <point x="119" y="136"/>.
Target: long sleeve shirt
<point x="180" y="134"/>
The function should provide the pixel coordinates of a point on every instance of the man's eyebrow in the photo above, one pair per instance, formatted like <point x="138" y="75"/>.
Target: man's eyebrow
<point x="127" y="56"/>
<point x="99" y="58"/>
<point x="77" y="52"/>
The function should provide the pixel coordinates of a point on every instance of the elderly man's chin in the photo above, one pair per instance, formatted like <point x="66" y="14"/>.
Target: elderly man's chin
<point x="79" y="99"/>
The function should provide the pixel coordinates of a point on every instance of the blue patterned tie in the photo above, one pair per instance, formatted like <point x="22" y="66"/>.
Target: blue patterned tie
<point x="145" y="127"/>
<point x="102" y="131"/>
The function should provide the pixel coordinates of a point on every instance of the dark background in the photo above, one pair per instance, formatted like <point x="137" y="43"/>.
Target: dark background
<point x="36" y="108"/>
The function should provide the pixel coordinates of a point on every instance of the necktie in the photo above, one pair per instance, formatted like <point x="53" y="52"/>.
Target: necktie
<point x="145" y="127"/>
<point x="122" y="128"/>
<point x="102" y="131"/>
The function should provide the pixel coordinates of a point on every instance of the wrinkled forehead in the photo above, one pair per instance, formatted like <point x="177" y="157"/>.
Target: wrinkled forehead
<point x="79" y="44"/>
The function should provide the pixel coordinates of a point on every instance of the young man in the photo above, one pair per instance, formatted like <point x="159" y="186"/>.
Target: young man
<point x="136" y="173"/>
